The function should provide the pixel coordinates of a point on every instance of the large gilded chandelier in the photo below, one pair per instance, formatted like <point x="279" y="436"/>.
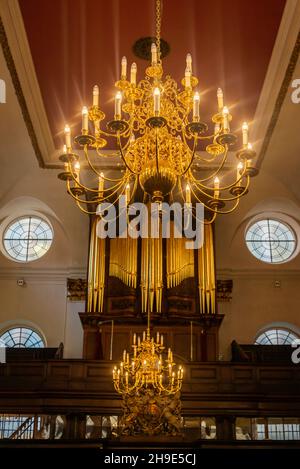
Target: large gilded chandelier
<point x="158" y="133"/>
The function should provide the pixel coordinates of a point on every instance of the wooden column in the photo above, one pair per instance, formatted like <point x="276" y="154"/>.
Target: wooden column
<point x="92" y="347"/>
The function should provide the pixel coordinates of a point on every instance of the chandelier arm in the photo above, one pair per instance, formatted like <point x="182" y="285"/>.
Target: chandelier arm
<point x="226" y="199"/>
<point x="86" y="154"/>
<point x="213" y="175"/>
<point x="88" y="189"/>
<point x="84" y="210"/>
<point x="192" y="157"/>
<point x="204" y="222"/>
<point x="87" y="202"/>
<point x="210" y="160"/>
<point x="223" y="188"/>
<point x="123" y="157"/>
<point x="216" y="211"/>
<point x="125" y="209"/>
<point x="107" y="155"/>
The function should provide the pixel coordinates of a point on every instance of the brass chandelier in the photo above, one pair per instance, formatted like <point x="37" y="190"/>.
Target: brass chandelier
<point x="146" y="367"/>
<point x="158" y="131"/>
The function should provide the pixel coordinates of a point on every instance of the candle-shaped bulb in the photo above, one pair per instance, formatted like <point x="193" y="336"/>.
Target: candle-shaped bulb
<point x="216" y="182"/>
<point x="127" y="193"/>
<point x="196" y="106"/>
<point x="133" y="71"/>
<point x="65" y="150"/>
<point x="216" y="187"/>
<point x="85" y="120"/>
<point x="161" y="340"/>
<point x="187" y="78"/>
<point x="68" y="136"/>
<point x="123" y="68"/>
<point x="220" y="99"/>
<point x="118" y="100"/>
<point x="153" y="54"/>
<point x="134" y="338"/>
<point x="188" y="194"/>
<point x="77" y="168"/>
<point x="245" y="134"/>
<point x="157" y="337"/>
<point x="96" y="95"/>
<point x="156" y="96"/>
<point x="189" y="63"/>
<point x="101" y="184"/>
<point x="225" y="119"/>
<point x="239" y="169"/>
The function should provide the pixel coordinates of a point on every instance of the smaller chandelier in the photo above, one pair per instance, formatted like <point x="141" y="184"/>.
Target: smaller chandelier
<point x="146" y="368"/>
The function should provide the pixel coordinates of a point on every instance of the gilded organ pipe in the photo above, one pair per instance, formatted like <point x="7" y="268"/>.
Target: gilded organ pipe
<point x="180" y="261"/>
<point x="96" y="271"/>
<point x="123" y="260"/>
<point x="206" y="273"/>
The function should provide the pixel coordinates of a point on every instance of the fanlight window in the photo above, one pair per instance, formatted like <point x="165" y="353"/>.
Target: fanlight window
<point x="277" y="337"/>
<point x="27" y="239"/>
<point x="271" y="241"/>
<point x="22" y="337"/>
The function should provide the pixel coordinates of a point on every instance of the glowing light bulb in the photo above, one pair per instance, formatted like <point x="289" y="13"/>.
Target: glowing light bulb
<point x="118" y="100"/>
<point x="196" y="106"/>
<point x="85" y="119"/>
<point x="245" y="133"/>
<point x="220" y="99"/>
<point x="68" y="136"/>
<point x="153" y="54"/>
<point x="123" y="68"/>
<point x="96" y="95"/>
<point x="133" y="71"/>
<point x="225" y="119"/>
<point x="156" y="95"/>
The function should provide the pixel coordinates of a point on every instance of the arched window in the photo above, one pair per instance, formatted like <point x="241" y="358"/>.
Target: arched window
<point x="27" y="238"/>
<point x="22" y="337"/>
<point x="271" y="241"/>
<point x="276" y="336"/>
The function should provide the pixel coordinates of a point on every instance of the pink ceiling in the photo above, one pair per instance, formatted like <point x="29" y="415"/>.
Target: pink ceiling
<point x="78" y="43"/>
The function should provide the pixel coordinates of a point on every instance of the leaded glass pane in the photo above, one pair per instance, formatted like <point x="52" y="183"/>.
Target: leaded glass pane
<point x="27" y="239"/>
<point x="271" y="241"/>
<point x="21" y="337"/>
<point x="276" y="337"/>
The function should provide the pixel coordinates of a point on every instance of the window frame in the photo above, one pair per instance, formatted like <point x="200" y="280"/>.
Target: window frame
<point x="9" y="222"/>
<point x="23" y="326"/>
<point x="283" y="220"/>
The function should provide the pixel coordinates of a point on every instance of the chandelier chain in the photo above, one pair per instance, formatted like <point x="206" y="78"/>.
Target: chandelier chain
<point x="158" y="26"/>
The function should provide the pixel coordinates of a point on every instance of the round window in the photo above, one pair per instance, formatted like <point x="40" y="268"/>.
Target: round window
<point x="271" y="241"/>
<point x="27" y="239"/>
